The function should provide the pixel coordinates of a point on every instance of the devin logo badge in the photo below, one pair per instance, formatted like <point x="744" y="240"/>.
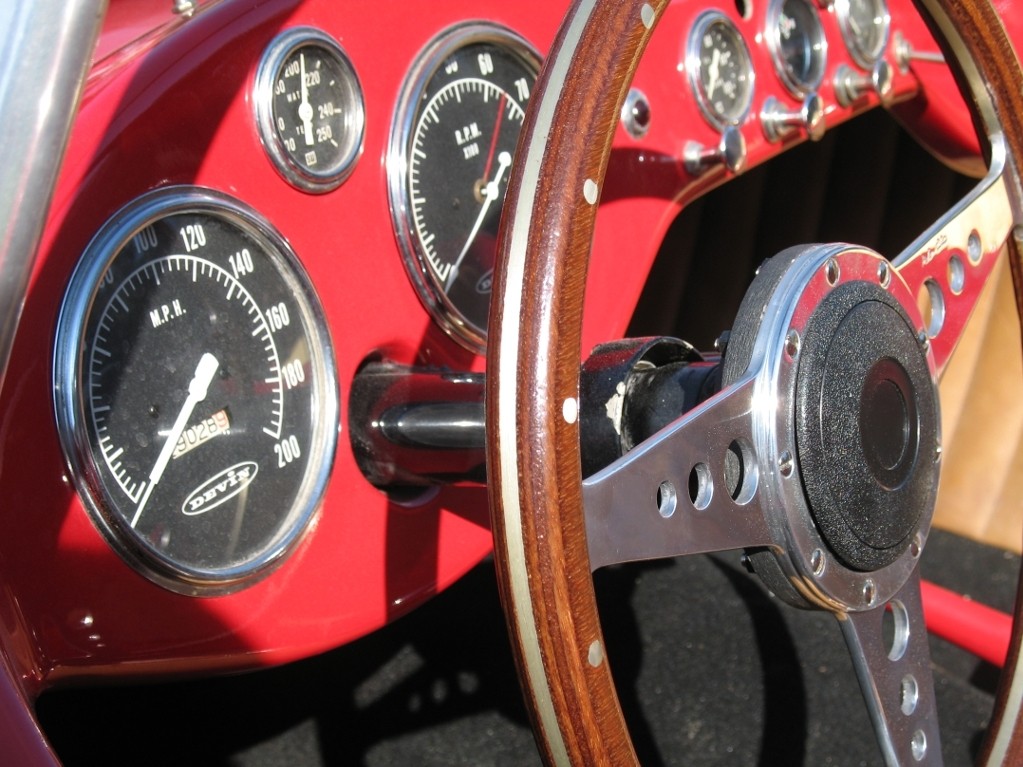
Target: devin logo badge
<point x="220" y="488"/>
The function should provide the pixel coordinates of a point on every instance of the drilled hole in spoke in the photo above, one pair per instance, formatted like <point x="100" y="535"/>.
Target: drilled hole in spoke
<point x="974" y="250"/>
<point x="919" y="745"/>
<point x="701" y="486"/>
<point x="956" y="275"/>
<point x="895" y="629"/>
<point x="931" y="302"/>
<point x="667" y="499"/>
<point x="910" y="693"/>
<point x="740" y="472"/>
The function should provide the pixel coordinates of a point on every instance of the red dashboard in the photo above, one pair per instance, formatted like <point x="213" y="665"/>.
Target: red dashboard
<point x="170" y="102"/>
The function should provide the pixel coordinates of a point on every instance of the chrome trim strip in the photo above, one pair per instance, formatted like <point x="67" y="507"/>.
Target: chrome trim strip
<point x="47" y="46"/>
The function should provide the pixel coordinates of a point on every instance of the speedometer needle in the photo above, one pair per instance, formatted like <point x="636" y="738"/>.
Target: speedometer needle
<point x="197" y="389"/>
<point x="492" y="192"/>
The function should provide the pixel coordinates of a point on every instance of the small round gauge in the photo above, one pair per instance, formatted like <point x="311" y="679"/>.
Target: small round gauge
<point x="309" y="109"/>
<point x="195" y="392"/>
<point x="452" y="142"/>
<point x="720" y="69"/>
<point x="795" y="37"/>
<point x="865" y="26"/>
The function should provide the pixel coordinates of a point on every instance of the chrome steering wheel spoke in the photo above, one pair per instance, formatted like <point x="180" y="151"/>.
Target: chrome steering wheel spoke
<point x="693" y="487"/>
<point x="947" y="266"/>
<point x="843" y="346"/>
<point x="889" y="650"/>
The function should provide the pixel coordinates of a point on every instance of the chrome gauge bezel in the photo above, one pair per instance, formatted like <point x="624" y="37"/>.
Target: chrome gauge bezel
<point x="71" y="384"/>
<point x="720" y="119"/>
<point x="441" y="309"/>
<point x="816" y="39"/>
<point x="299" y="174"/>
<point x="856" y="40"/>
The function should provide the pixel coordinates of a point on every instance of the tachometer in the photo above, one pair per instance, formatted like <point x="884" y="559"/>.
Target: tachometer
<point x="452" y="143"/>
<point x="309" y="109"/>
<point x="195" y="392"/>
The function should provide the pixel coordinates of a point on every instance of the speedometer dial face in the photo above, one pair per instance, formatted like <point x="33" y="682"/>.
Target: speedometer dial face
<point x="195" y="392"/>
<point x="795" y="37"/>
<point x="451" y="151"/>
<point x="720" y="69"/>
<point x="309" y="109"/>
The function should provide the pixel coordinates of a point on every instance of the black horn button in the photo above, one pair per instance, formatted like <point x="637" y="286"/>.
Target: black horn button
<point x="866" y="425"/>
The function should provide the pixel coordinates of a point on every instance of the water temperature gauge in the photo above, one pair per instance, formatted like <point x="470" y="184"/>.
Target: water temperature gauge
<point x="309" y="109"/>
<point x="720" y="69"/>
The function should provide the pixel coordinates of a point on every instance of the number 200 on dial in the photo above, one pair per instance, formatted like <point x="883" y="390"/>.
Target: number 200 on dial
<point x="195" y="390"/>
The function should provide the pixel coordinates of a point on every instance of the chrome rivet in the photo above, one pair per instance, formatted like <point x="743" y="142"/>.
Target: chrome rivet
<point x="832" y="271"/>
<point x="884" y="274"/>
<point x="792" y="342"/>
<point x="817" y="562"/>
<point x="785" y="463"/>
<point x="869" y="592"/>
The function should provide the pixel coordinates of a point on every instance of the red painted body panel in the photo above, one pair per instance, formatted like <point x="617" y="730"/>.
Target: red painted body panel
<point x="175" y="107"/>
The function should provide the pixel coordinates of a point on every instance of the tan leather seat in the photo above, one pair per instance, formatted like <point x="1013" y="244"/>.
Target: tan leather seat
<point x="981" y="489"/>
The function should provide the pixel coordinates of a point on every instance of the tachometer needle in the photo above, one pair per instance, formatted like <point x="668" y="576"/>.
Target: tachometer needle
<point x="491" y="193"/>
<point x="197" y="389"/>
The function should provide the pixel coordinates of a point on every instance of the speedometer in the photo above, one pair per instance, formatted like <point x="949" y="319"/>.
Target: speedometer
<point x="451" y="149"/>
<point x="195" y="392"/>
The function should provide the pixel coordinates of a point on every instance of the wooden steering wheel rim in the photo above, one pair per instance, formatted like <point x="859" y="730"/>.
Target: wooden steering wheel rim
<point x="534" y="357"/>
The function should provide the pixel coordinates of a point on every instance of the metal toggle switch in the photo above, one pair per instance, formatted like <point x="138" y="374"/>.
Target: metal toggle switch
<point x="777" y="122"/>
<point x="905" y="53"/>
<point x="730" y="152"/>
<point x="850" y="85"/>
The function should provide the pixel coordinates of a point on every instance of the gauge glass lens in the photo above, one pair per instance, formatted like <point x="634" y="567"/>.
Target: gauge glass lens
<point x="309" y="109"/>
<point x="865" y="26"/>
<point x="720" y="69"/>
<point x="195" y="391"/>
<point x="452" y="145"/>
<point x="798" y="44"/>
